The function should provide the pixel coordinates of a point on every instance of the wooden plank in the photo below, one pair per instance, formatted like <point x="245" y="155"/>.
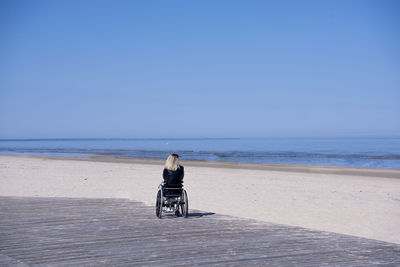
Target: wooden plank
<point x="66" y="231"/>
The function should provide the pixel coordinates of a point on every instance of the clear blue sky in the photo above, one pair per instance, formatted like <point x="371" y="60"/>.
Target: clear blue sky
<point x="199" y="68"/>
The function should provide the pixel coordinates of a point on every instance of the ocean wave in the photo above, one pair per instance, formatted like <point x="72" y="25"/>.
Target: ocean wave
<point x="373" y="153"/>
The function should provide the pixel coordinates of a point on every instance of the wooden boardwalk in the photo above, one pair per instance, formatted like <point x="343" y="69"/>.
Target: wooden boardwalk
<point x="118" y="232"/>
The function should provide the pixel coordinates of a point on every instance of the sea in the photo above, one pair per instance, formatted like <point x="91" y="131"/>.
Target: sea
<point x="343" y="152"/>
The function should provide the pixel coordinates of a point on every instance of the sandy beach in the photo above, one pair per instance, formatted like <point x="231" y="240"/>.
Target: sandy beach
<point x="360" y="202"/>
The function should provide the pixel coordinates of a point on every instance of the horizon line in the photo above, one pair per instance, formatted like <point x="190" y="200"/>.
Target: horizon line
<point x="191" y="138"/>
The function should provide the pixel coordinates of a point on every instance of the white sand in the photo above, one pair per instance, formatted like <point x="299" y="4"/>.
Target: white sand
<point x="355" y="205"/>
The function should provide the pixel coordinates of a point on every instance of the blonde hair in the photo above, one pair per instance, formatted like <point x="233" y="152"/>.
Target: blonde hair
<point x="172" y="162"/>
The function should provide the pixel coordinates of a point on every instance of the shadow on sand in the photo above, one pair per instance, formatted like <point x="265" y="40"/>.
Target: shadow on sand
<point x="200" y="214"/>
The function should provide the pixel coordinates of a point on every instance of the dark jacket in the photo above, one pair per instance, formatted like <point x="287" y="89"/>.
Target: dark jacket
<point x="173" y="179"/>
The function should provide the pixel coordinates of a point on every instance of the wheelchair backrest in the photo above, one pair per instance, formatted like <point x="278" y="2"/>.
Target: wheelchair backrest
<point x="172" y="191"/>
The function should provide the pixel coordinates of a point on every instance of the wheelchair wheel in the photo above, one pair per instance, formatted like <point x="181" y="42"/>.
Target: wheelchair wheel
<point x="159" y="204"/>
<point x="185" y="205"/>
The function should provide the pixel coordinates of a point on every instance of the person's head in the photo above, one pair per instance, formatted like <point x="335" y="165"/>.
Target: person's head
<point x="172" y="162"/>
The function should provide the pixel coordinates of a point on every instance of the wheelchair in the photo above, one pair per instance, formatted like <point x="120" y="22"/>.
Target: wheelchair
<point x="171" y="201"/>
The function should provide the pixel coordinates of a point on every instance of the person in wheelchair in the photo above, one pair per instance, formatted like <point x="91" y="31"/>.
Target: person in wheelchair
<point x="173" y="174"/>
<point x="171" y="196"/>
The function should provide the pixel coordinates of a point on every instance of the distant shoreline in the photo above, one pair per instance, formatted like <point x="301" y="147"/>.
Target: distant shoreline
<point x="356" y="171"/>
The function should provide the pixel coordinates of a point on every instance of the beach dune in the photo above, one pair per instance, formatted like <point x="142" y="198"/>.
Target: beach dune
<point x="360" y="202"/>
